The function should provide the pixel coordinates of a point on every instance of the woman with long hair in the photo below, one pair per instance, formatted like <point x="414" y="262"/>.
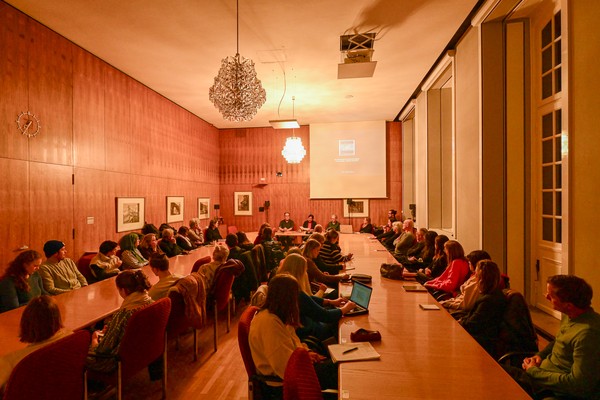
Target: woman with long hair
<point x="132" y="286"/>
<point x="439" y="262"/>
<point x="310" y="251"/>
<point x="273" y="338"/>
<point x="41" y="324"/>
<point x="212" y="232"/>
<point x="20" y="282"/>
<point x="484" y="320"/>
<point x="149" y="246"/>
<point x="331" y="253"/>
<point x="317" y="320"/>
<point x="454" y="275"/>
<point x="131" y="256"/>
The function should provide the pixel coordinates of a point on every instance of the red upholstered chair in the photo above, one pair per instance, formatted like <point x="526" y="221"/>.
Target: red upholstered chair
<point x="55" y="371"/>
<point x="83" y="265"/>
<point x="143" y="343"/>
<point x="200" y="262"/>
<point x="253" y="378"/>
<point x="300" y="381"/>
<point x="220" y="296"/>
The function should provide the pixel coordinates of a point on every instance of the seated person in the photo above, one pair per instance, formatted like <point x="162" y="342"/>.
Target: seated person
<point x="286" y="225"/>
<point x="389" y="241"/>
<point x="131" y="256"/>
<point x="41" y="324"/>
<point x="311" y="251"/>
<point x="208" y="270"/>
<point x="330" y="253"/>
<point x="243" y="241"/>
<point x="132" y="286"/>
<point x="484" y="319"/>
<point x="259" y="236"/>
<point x="212" y="232"/>
<point x="333" y="224"/>
<point x="319" y="229"/>
<point x="149" y="246"/>
<point x="195" y="233"/>
<point x="316" y="320"/>
<point x="273" y="338"/>
<point x="455" y="274"/>
<point x="21" y="282"/>
<point x="425" y="257"/>
<point x="416" y="252"/>
<point x="160" y="267"/>
<point x="106" y="263"/>
<point x="404" y="242"/>
<point x="438" y="264"/>
<point x="308" y="226"/>
<point x="366" y="226"/>
<point x="391" y="219"/>
<point x="235" y="251"/>
<point x="59" y="273"/>
<point x="168" y="244"/>
<point x="182" y="240"/>
<point x="273" y="251"/>
<point x="460" y="305"/>
<point x="567" y="368"/>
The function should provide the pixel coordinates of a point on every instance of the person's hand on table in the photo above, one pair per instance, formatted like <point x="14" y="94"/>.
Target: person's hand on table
<point x="340" y="301"/>
<point x="349" y="306"/>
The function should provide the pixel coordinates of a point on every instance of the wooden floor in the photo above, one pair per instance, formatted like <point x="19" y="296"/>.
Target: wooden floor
<point x="215" y="376"/>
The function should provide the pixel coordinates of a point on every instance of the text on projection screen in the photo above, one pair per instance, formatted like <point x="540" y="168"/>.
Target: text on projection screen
<point x="348" y="160"/>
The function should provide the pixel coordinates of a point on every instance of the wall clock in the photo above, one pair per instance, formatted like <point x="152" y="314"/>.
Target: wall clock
<point x="28" y="124"/>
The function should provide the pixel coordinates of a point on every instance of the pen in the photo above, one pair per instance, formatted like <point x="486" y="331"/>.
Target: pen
<point x="349" y="350"/>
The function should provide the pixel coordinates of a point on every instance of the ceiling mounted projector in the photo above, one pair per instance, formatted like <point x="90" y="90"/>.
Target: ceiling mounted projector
<point x="357" y="51"/>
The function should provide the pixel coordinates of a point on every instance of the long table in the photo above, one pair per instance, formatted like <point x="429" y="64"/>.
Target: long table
<point x="424" y="354"/>
<point x="83" y="307"/>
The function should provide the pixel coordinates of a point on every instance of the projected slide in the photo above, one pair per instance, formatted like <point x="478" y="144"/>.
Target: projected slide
<point x="348" y="160"/>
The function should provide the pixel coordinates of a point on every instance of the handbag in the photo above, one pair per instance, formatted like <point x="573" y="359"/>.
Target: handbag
<point x="391" y="271"/>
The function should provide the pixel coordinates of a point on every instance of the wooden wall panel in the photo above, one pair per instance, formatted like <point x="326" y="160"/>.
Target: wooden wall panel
<point x="155" y="190"/>
<point x="247" y="155"/>
<point x="117" y="125"/>
<point x="90" y="201"/>
<point x="116" y="185"/>
<point x="51" y="95"/>
<point x="13" y="81"/>
<point x="14" y="209"/>
<point x="88" y="110"/>
<point x="51" y="204"/>
<point x="139" y="129"/>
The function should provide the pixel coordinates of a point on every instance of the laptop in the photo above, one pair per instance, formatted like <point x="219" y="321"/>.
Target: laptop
<point x="361" y="296"/>
<point x="346" y="229"/>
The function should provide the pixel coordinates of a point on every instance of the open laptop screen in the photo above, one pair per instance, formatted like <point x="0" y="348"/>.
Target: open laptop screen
<point x="361" y="294"/>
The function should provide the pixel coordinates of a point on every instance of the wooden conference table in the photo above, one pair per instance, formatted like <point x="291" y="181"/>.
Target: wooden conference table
<point x="424" y="354"/>
<point x="83" y="307"/>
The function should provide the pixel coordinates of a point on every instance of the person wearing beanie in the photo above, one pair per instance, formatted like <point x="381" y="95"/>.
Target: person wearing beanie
<point x="59" y="273"/>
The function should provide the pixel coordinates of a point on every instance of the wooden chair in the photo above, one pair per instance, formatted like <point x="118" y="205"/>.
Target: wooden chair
<point x="143" y="343"/>
<point x="200" y="262"/>
<point x="83" y="265"/>
<point x="300" y="381"/>
<point x="55" y="371"/>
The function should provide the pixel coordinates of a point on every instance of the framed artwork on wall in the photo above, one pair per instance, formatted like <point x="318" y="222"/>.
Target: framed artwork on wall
<point x="356" y="208"/>
<point x="130" y="213"/>
<point x="174" y="208"/>
<point x="203" y="208"/>
<point x="242" y="203"/>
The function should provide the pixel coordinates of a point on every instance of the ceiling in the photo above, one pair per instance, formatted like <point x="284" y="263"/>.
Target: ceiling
<point x="175" y="47"/>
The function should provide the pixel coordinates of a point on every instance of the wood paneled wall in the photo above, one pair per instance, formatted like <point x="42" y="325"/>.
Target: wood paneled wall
<point x="248" y="155"/>
<point x="104" y="135"/>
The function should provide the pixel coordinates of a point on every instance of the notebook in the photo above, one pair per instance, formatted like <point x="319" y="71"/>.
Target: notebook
<point x="361" y="296"/>
<point x="414" y="288"/>
<point x="352" y="352"/>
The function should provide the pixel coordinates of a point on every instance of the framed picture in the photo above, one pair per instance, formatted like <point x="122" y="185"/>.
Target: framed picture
<point x="174" y="208"/>
<point x="242" y="203"/>
<point x="130" y="213"/>
<point x="203" y="208"/>
<point x="358" y="208"/>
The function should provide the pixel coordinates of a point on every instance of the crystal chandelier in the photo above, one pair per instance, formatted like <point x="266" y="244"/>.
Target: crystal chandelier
<point x="293" y="151"/>
<point x="237" y="92"/>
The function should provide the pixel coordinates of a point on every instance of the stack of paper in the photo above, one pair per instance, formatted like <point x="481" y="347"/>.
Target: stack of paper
<point x="353" y="352"/>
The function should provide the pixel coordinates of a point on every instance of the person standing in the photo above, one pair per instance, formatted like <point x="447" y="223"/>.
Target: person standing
<point x="59" y="273"/>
